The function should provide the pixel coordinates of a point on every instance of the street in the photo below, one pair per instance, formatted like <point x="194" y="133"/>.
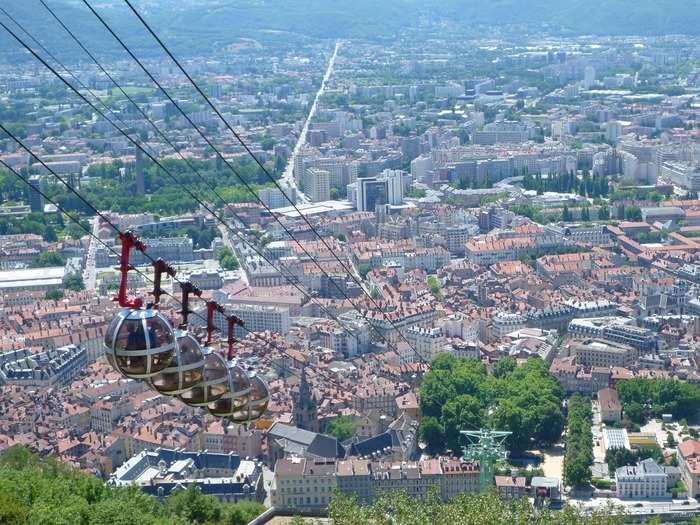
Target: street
<point x="90" y="272"/>
<point x="288" y="176"/>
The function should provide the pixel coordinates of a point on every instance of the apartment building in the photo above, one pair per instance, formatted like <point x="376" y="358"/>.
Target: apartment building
<point x="172" y="249"/>
<point x="256" y="318"/>
<point x="511" y="487"/>
<point x="604" y="354"/>
<point x="218" y="436"/>
<point x="689" y="465"/>
<point x="683" y="174"/>
<point x="303" y="484"/>
<point x="610" y="406"/>
<point x="317" y="184"/>
<point x="51" y="368"/>
<point x="426" y="342"/>
<point x="505" y="323"/>
<point x="574" y="377"/>
<point x="228" y="477"/>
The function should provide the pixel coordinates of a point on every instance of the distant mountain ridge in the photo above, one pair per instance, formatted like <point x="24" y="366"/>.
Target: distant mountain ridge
<point x="198" y="25"/>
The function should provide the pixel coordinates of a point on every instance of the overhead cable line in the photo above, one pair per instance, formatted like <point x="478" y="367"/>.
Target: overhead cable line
<point x="266" y="172"/>
<point x="253" y="193"/>
<point x="140" y="272"/>
<point x="292" y="280"/>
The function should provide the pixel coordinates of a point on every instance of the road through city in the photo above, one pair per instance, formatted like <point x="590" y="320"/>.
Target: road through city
<point x="288" y="177"/>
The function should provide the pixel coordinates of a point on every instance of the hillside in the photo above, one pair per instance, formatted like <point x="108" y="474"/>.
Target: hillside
<point x="192" y="27"/>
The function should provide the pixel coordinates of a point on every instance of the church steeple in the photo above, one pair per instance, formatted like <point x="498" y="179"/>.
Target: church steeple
<point x="305" y="412"/>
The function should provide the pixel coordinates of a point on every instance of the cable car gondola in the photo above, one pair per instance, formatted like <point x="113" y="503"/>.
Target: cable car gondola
<point x="213" y="384"/>
<point x="216" y="370"/>
<point x="258" y="399"/>
<point x="139" y="341"/>
<point x="186" y="369"/>
<point x="238" y="386"/>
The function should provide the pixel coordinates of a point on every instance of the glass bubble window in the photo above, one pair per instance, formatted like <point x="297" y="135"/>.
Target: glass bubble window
<point x="186" y="368"/>
<point x="140" y="343"/>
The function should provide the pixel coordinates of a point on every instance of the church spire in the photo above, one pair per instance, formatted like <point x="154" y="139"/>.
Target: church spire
<point x="305" y="410"/>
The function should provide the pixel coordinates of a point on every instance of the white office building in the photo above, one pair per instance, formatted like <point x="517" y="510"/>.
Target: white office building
<point x="317" y="184"/>
<point x="394" y="183"/>
<point x="682" y="174"/>
<point x="646" y="479"/>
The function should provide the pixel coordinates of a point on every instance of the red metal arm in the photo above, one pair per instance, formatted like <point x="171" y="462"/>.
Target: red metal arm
<point x="159" y="267"/>
<point x="129" y="240"/>
<point x="187" y="288"/>
<point x="212" y="307"/>
<point x="232" y="321"/>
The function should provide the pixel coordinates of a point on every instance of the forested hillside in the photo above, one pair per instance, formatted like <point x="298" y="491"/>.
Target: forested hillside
<point x="192" y="27"/>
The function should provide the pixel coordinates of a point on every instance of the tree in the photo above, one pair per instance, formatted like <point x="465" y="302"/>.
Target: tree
<point x="660" y="396"/>
<point x="53" y="295"/>
<point x="267" y="143"/>
<point x="341" y="428"/>
<point x="504" y="366"/>
<point x="432" y="434"/>
<point x="565" y="214"/>
<point x="50" y="234"/>
<point x="634" y="412"/>
<point x="458" y="394"/>
<point x="670" y="440"/>
<point x="619" y="457"/>
<point x="461" y="413"/>
<point x="47" y="259"/>
<point x="363" y="269"/>
<point x="579" y="442"/>
<point x="76" y="232"/>
<point x="74" y="281"/>
<point x="465" y="509"/>
<point x="120" y="512"/>
<point x="192" y="505"/>
<point x="242" y="512"/>
<point x="12" y="510"/>
<point x="434" y="285"/>
<point x="621" y="212"/>
<point x="577" y="471"/>
<point x="415" y="193"/>
<point x="633" y="213"/>
<point x="227" y="260"/>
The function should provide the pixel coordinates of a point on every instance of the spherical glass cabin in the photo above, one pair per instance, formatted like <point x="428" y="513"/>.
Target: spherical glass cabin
<point x="140" y="343"/>
<point x="213" y="384"/>
<point x="186" y="368"/>
<point x="236" y="396"/>
<point x="258" y="400"/>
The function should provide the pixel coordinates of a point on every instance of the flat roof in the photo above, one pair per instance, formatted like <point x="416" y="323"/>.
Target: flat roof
<point x="543" y="481"/>
<point x="32" y="278"/>
<point x="315" y="208"/>
<point x="30" y="274"/>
